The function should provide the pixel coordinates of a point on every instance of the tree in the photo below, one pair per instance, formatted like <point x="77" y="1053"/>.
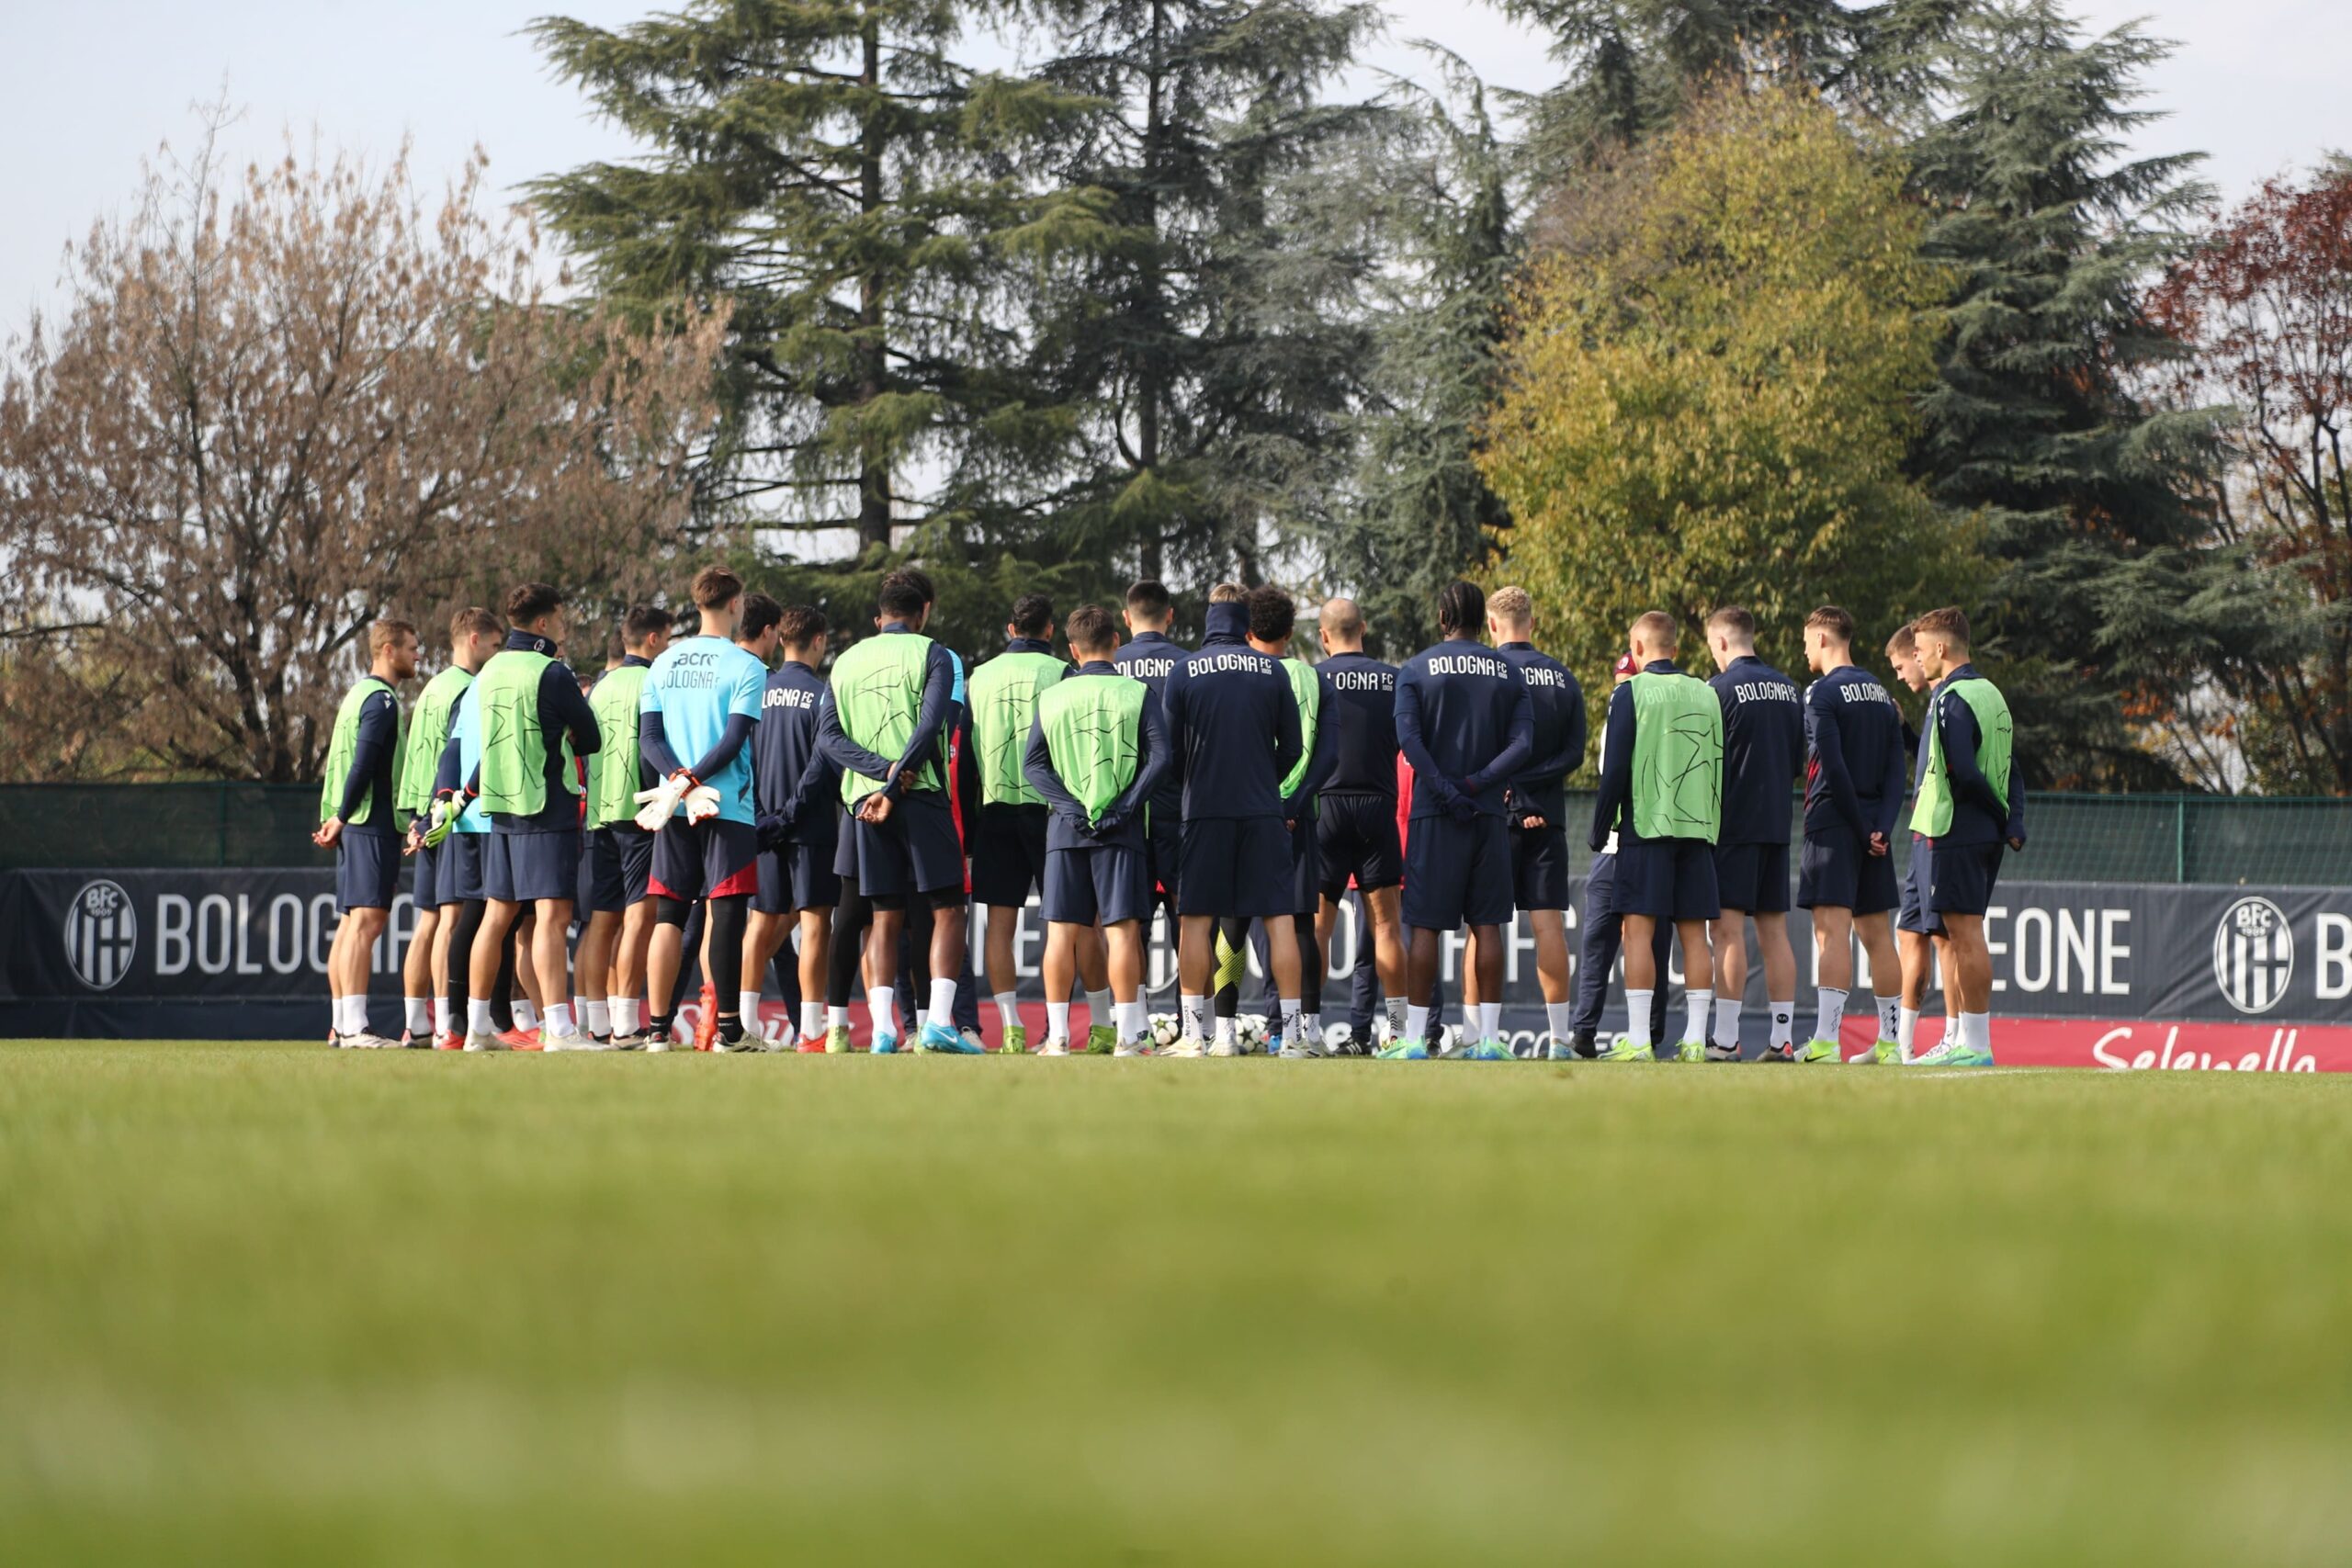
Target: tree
<point x="265" y="419"/>
<point x="1419" y="513"/>
<point x="1214" y="347"/>
<point x="1712" y="368"/>
<point x="2263" y="305"/>
<point x="857" y="194"/>
<point x="2040" y="424"/>
<point x="1631" y="64"/>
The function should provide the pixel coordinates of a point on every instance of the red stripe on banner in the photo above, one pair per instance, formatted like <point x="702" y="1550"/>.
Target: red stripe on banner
<point x="2143" y="1044"/>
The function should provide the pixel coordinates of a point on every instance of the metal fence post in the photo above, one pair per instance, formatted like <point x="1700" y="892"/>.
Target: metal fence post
<point x="2180" y="838"/>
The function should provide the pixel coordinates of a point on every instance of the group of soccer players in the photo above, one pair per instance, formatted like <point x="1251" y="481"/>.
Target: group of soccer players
<point x="728" y="782"/>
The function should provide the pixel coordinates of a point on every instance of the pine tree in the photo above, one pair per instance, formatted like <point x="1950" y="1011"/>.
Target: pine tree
<point x="1420" y="513"/>
<point x="1215" y="345"/>
<point x="2040" y="426"/>
<point x="856" y="191"/>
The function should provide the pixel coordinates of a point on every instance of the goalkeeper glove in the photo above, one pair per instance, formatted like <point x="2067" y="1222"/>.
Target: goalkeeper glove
<point x="439" y="820"/>
<point x="655" y="806"/>
<point x="702" y="803"/>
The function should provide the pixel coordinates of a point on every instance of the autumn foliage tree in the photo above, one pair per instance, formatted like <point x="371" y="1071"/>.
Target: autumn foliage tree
<point x="2263" y="305"/>
<point x="1710" y="382"/>
<point x="268" y="416"/>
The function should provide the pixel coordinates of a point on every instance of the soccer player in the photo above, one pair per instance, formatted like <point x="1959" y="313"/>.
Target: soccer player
<point x="1921" y="942"/>
<point x="424" y="978"/>
<point x="616" y="864"/>
<point x="1763" y="760"/>
<point x="755" y="633"/>
<point x="1008" y="837"/>
<point x="1661" y="794"/>
<point x="1098" y="744"/>
<point x="1604" y="928"/>
<point x="1232" y="727"/>
<point x="1972" y="802"/>
<point x="1150" y="655"/>
<point x="1853" y="793"/>
<point x="1272" y="614"/>
<point x="1356" y="820"/>
<point x="796" y="785"/>
<point x="1536" y="805"/>
<point x="356" y="805"/>
<point x="533" y="723"/>
<point x="1467" y="725"/>
<point x="701" y="701"/>
<point x="891" y="697"/>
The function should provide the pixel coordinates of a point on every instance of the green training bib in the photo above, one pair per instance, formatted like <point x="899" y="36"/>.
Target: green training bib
<point x="877" y="694"/>
<point x="1003" y="697"/>
<point x="345" y="745"/>
<point x="1931" y="813"/>
<point x="1678" y="757"/>
<point x="1093" y="728"/>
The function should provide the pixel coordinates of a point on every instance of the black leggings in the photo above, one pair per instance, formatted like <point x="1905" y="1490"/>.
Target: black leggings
<point x="851" y="917"/>
<point x="726" y="919"/>
<point x="1231" y="936"/>
<point x="461" y="952"/>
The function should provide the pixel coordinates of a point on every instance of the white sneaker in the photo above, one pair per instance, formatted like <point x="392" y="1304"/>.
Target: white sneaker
<point x="1054" y="1048"/>
<point x="1228" y="1046"/>
<point x="1186" y="1045"/>
<point x="628" y="1042"/>
<point x="484" y="1043"/>
<point x="750" y="1044"/>
<point x="1139" y="1046"/>
<point x="368" y="1040"/>
<point x="550" y="1040"/>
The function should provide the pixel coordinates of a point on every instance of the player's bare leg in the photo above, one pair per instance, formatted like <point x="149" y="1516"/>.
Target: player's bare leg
<point x="417" y="986"/>
<point x="498" y="917"/>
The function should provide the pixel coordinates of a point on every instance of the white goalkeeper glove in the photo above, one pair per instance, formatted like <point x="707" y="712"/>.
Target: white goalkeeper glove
<point x="702" y="804"/>
<point x="655" y="806"/>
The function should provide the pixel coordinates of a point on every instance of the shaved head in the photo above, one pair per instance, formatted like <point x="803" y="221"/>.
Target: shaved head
<point x="1342" y="624"/>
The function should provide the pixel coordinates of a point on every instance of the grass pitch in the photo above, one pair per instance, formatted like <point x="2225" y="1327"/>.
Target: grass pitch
<point x="267" y="1304"/>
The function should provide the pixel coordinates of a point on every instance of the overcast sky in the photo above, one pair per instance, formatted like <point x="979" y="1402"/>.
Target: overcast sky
<point x="89" y="88"/>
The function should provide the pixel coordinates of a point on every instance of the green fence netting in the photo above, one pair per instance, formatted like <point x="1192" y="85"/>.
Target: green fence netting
<point x="2075" y="838"/>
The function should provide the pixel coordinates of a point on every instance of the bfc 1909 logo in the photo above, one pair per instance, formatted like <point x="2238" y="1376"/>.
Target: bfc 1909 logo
<point x="2253" y="955"/>
<point x="101" y="935"/>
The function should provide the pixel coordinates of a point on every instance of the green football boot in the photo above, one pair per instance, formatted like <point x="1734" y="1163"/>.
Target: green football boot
<point x="837" y="1040"/>
<point x="1016" y="1040"/>
<point x="1886" y="1054"/>
<point x="1820" y="1050"/>
<point x="1626" y="1051"/>
<point x="1404" y="1050"/>
<point x="1691" y="1050"/>
<point x="1101" y="1038"/>
<point x="1954" y="1053"/>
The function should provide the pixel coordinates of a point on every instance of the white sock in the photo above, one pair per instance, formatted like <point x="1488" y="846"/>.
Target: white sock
<point x="527" y="1015"/>
<point x="747" y="1008"/>
<point x="1556" y="1019"/>
<point x="1290" y="1022"/>
<point x="836" y="1018"/>
<point x="351" y="1014"/>
<point x="440" y="1015"/>
<point x="943" y="1002"/>
<point x="477" y="1017"/>
<point x="1058" y="1021"/>
<point x="1008" y="1010"/>
<point x="1225" y="1031"/>
<point x="1098" y="1008"/>
<point x="1470" y="1020"/>
<point x="1196" y="1015"/>
<point x="559" y="1020"/>
<point x="1417" y="1020"/>
<point x="600" y="1017"/>
<point x="880" y="1010"/>
<point x="812" y="1019"/>
<point x="1310" y="1028"/>
<point x="624" y="1015"/>
<point x="1695" y="1026"/>
<point x="420" y="1014"/>
<point x="1978" y="1028"/>
<point x="1490" y="1020"/>
<point x="1131" y="1023"/>
<point x="1784" y="1017"/>
<point x="1727" y="1021"/>
<point x="1396" y="1006"/>
<point x="1637" y="1017"/>
<point x="1906" y="1025"/>
<point x="1888" y="1007"/>
<point x="334" y="1012"/>
<point x="1829" y="1004"/>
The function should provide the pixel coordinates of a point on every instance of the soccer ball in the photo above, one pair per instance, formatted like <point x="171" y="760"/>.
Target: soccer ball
<point x="1250" y="1028"/>
<point x="1340" y="1040"/>
<point x="1166" y="1030"/>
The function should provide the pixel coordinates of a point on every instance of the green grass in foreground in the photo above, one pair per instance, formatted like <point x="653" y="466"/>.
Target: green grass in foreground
<point x="266" y="1303"/>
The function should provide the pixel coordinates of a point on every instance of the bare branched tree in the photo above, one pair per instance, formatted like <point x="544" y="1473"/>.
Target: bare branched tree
<point x="266" y="416"/>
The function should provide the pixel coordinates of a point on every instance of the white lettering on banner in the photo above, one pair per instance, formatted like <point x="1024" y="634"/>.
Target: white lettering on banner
<point x="174" y="917"/>
<point x="286" y="932"/>
<point x="2335" y="945"/>
<point x="323" y="924"/>
<point x="2112" y="952"/>
<point x="246" y="963"/>
<point x="2063" y="951"/>
<point x="1995" y="948"/>
<point x="2032" y="946"/>
<point x="2279" y="1056"/>
<point x="212" y="934"/>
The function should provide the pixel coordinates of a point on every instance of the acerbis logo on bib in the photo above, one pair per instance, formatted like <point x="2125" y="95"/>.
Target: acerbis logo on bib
<point x="2253" y="955"/>
<point x="101" y="935"/>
